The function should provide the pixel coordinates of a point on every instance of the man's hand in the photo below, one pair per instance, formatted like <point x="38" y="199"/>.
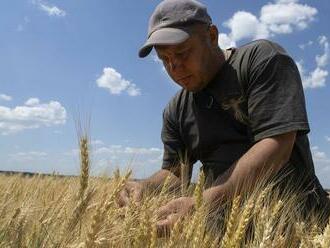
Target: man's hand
<point x="171" y="212"/>
<point x="132" y="191"/>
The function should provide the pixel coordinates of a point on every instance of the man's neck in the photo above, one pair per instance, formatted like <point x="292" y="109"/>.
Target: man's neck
<point x="219" y="61"/>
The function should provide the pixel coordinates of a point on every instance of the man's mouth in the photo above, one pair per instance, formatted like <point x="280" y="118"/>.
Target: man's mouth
<point x="184" y="80"/>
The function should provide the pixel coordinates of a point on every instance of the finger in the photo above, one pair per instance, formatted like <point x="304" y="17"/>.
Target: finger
<point x="123" y="199"/>
<point x="164" y="226"/>
<point x="137" y="197"/>
<point x="164" y="211"/>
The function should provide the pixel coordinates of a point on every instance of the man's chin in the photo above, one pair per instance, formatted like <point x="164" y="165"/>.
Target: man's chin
<point x="191" y="89"/>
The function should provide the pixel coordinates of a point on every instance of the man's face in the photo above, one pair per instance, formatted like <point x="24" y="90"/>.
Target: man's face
<point x="187" y="63"/>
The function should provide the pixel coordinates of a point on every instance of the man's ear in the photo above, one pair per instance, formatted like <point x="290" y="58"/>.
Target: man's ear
<point x="214" y="35"/>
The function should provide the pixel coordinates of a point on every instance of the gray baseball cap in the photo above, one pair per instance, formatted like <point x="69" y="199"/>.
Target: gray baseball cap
<point x="171" y="22"/>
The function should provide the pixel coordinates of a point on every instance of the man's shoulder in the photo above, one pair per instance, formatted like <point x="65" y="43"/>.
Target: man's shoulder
<point x="263" y="45"/>
<point x="260" y="50"/>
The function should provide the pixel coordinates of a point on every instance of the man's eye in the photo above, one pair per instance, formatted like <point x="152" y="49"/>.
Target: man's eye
<point x="183" y="53"/>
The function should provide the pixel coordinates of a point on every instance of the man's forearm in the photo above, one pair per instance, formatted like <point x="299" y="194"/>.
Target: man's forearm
<point x="264" y="158"/>
<point x="155" y="181"/>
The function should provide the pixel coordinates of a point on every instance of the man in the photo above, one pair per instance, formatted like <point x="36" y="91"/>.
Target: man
<point x="241" y="111"/>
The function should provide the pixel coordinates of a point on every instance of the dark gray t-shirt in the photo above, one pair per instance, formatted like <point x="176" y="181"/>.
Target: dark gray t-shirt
<point x="256" y="94"/>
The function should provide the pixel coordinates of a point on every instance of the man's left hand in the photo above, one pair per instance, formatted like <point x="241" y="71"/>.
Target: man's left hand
<point x="172" y="212"/>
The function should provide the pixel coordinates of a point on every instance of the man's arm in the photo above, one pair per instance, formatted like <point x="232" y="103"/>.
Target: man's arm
<point x="269" y="153"/>
<point x="136" y="188"/>
<point x="155" y="181"/>
<point x="268" y="156"/>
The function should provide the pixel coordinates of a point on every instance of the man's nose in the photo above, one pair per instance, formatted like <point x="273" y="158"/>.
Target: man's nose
<point x="174" y="64"/>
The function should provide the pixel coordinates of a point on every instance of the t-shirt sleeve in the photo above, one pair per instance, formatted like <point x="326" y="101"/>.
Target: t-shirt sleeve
<point x="174" y="147"/>
<point x="276" y="102"/>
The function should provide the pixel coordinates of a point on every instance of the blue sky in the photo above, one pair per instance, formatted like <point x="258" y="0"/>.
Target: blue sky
<point x="63" y="61"/>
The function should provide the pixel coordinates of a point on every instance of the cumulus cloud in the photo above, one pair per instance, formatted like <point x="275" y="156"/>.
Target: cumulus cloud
<point x="97" y="142"/>
<point x="317" y="77"/>
<point x="116" y="84"/>
<point x="31" y="115"/>
<point x="118" y="149"/>
<point x="142" y="160"/>
<point x="32" y="102"/>
<point x="322" y="165"/>
<point x="327" y="138"/>
<point x="28" y="156"/>
<point x="225" y="41"/>
<point x="279" y="17"/>
<point x="284" y="17"/>
<point x="318" y="155"/>
<point x="303" y="46"/>
<point x="245" y="25"/>
<point x="323" y="59"/>
<point x="5" y="97"/>
<point x="50" y="10"/>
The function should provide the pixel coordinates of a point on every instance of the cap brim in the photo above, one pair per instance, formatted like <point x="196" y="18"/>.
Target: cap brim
<point x="164" y="36"/>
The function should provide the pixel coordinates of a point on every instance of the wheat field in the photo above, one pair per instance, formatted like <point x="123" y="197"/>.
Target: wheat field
<point x="52" y="211"/>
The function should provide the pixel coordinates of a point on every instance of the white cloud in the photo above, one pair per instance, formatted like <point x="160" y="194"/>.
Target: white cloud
<point x="280" y="17"/>
<point x="20" y="27"/>
<point x="32" y="102"/>
<point x="245" y="25"/>
<point x="303" y="46"/>
<point x="31" y="115"/>
<point x="287" y="16"/>
<point x="28" y="156"/>
<point x="327" y="138"/>
<point x="144" y="161"/>
<point x="5" y="97"/>
<point x="322" y="165"/>
<point x="116" y="84"/>
<point x="97" y="142"/>
<point x="317" y="154"/>
<point x="225" y="41"/>
<point x="50" y="10"/>
<point x="323" y="59"/>
<point x="317" y="77"/>
<point x="118" y="149"/>
<point x="132" y="90"/>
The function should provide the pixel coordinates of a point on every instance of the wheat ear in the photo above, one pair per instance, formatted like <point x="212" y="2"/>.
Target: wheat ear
<point x="102" y="211"/>
<point x="175" y="234"/>
<point x="198" y="192"/>
<point x="266" y="240"/>
<point x="239" y="234"/>
<point x="326" y="236"/>
<point x="304" y="242"/>
<point x="84" y="165"/>
<point x="231" y="222"/>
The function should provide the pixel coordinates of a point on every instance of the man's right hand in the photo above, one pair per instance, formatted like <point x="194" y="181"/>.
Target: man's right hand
<point x="133" y="190"/>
